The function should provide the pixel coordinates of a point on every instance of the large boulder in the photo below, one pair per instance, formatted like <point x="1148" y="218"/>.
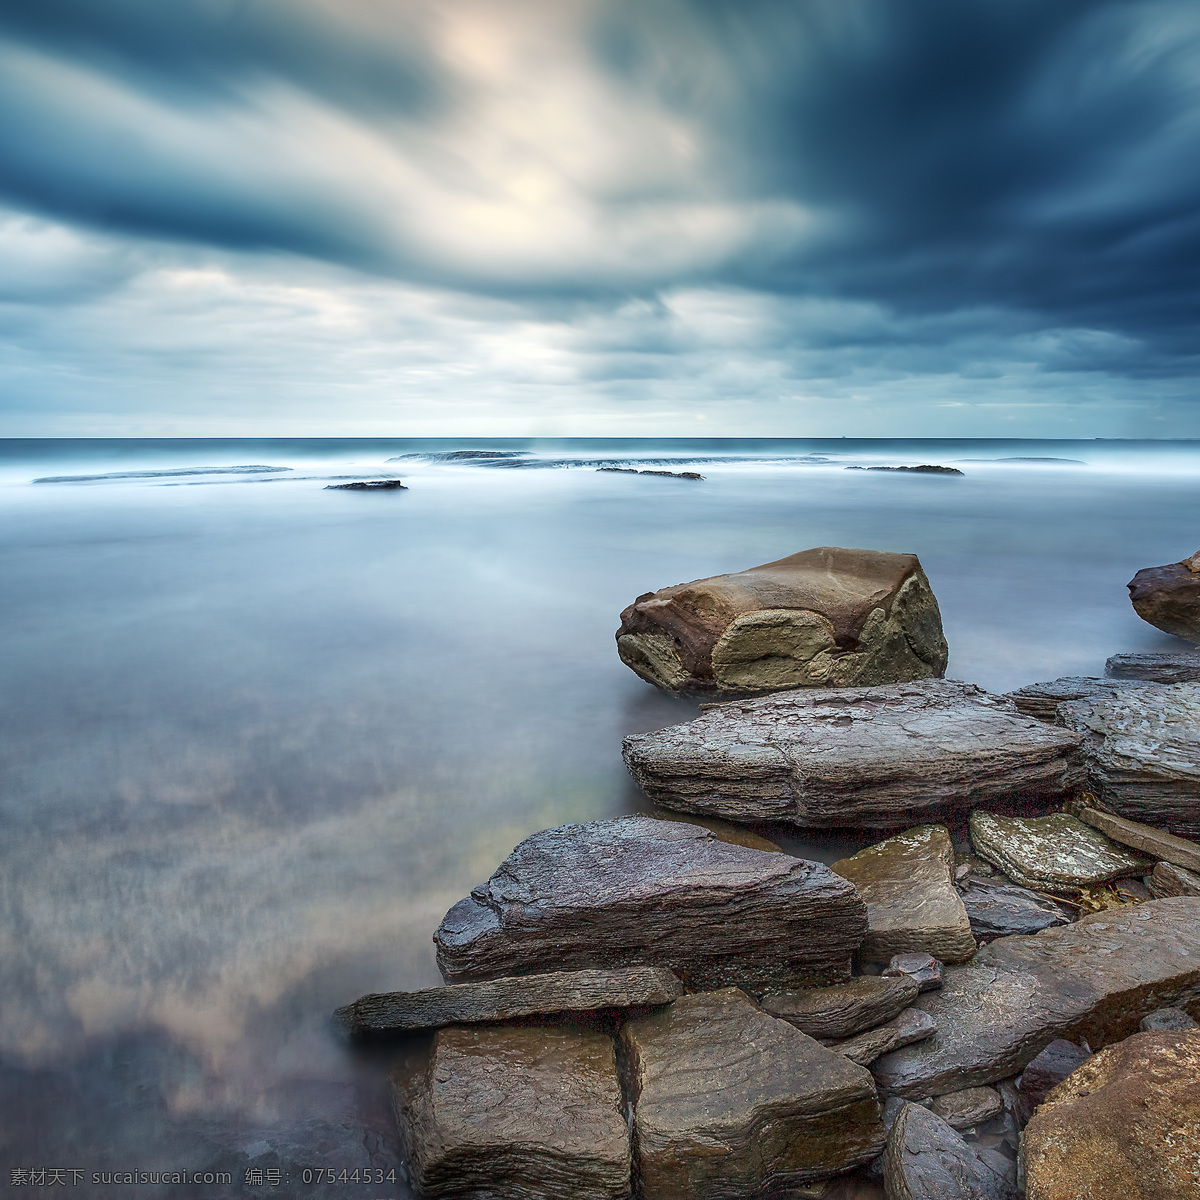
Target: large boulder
<point x="1126" y="1124"/>
<point x="821" y="618"/>
<point x="523" y="1113"/>
<point x="843" y="1009"/>
<point x="912" y="905"/>
<point x="1155" y="668"/>
<point x="730" y="1102"/>
<point x="1169" y="597"/>
<point x="877" y="757"/>
<point x="1142" y="753"/>
<point x="1094" y="979"/>
<point x="927" y="1160"/>
<point x="639" y="891"/>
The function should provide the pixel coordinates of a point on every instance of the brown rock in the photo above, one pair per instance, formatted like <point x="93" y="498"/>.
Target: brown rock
<point x="1177" y="850"/>
<point x="1124" y="1126"/>
<point x="877" y="758"/>
<point x="844" y="1009"/>
<point x="1094" y="979"/>
<point x="821" y="618"/>
<point x="912" y="905"/>
<point x="968" y="1108"/>
<point x="1155" y="668"/>
<point x="1169" y="598"/>
<point x="523" y="1113"/>
<point x="927" y="1160"/>
<point x="730" y="1102"/>
<point x="923" y="968"/>
<point x="912" y="1025"/>
<point x="1169" y="880"/>
<point x="639" y="891"/>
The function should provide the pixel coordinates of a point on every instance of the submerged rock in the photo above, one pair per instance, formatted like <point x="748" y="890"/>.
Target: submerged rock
<point x="523" y="1113"/>
<point x="1169" y="880"/>
<point x="1141" y="750"/>
<point x="730" y="1102"/>
<point x="640" y="891"/>
<point x="1169" y="597"/>
<point x="968" y="1108"/>
<point x="1054" y="853"/>
<point x="1155" y="668"/>
<point x="927" y="1160"/>
<point x="912" y="905"/>
<point x="876" y="757"/>
<point x="1041" y="700"/>
<point x="821" y="618"/>
<point x="924" y="969"/>
<point x="1094" y="979"/>
<point x="844" y="1009"/>
<point x="999" y="909"/>
<point x="1166" y="1018"/>
<point x="504" y="999"/>
<point x="1177" y="850"/>
<point x="912" y="1025"/>
<point x="1125" y="1125"/>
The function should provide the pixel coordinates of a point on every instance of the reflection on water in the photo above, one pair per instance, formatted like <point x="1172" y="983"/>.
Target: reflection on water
<point x="258" y="739"/>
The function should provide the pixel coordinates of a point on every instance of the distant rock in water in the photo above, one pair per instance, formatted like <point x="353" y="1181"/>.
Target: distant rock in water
<point x="923" y="469"/>
<point x="1169" y="597"/>
<point x="668" y="474"/>
<point x="253" y="469"/>
<point x="459" y="455"/>
<point x="368" y="485"/>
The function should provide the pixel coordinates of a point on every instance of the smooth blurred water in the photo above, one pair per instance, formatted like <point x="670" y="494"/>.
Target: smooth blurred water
<point x="258" y="736"/>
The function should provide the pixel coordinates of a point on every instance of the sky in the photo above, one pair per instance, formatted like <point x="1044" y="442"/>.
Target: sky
<point x="599" y="218"/>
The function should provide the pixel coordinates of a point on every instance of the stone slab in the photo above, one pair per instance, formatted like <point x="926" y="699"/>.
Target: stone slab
<point x="912" y="1025"/>
<point x="1094" y="979"/>
<point x="1155" y="668"/>
<point x="924" y="968"/>
<point x="999" y="909"/>
<point x="640" y="891"/>
<point x="1169" y="880"/>
<point x="927" y="1160"/>
<point x="1041" y="700"/>
<point x="1180" y="851"/>
<point x="1166" y="1018"/>
<point x="877" y="758"/>
<point x="968" y="1108"/>
<point x="844" y="1009"/>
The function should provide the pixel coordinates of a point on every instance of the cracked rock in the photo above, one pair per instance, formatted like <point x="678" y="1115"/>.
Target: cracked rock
<point x="912" y="1025"/>
<point x="844" y="1009"/>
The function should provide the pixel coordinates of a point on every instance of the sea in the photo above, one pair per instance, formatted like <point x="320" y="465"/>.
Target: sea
<point x="258" y="733"/>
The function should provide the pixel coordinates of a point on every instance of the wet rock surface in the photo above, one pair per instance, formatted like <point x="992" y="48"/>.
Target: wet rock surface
<point x="878" y="757"/>
<point x="730" y="1102"/>
<point x="1169" y="880"/>
<point x="1156" y="842"/>
<point x="927" y="1160"/>
<point x="1166" y="1018"/>
<point x="1168" y="597"/>
<point x="1047" y="1070"/>
<point x="912" y="1025"/>
<point x="923" y="968"/>
<point x="968" y="1108"/>
<point x="1155" y="668"/>
<point x="1141" y="751"/>
<point x="844" y="1009"/>
<point x="999" y="909"/>
<point x="826" y="617"/>
<point x="505" y="999"/>
<point x="640" y="891"/>
<point x="907" y="883"/>
<point x="1126" y="1124"/>
<point x="1041" y="700"/>
<point x="1094" y="979"/>
<point x="1054" y="853"/>
<point x="523" y="1113"/>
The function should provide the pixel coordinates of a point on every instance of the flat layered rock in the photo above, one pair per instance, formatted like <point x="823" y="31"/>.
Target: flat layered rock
<point x="1054" y="853"/>
<point x="912" y="1025"/>
<point x="1141" y="751"/>
<point x="1094" y="979"/>
<point x="877" y="757"/>
<point x="912" y="903"/>
<point x="1169" y="880"/>
<point x="731" y="1102"/>
<point x="505" y="999"/>
<point x="827" y="617"/>
<point x="999" y="909"/>
<point x="927" y="1160"/>
<point x="1169" y="597"/>
<point x="968" y="1108"/>
<point x="1041" y="700"/>
<point x="639" y="891"/>
<point x="1177" y="850"/>
<point x="923" y="968"/>
<point x="1126" y="1124"/>
<point x="1155" y="668"/>
<point x="844" y="1009"/>
<point x="523" y="1113"/>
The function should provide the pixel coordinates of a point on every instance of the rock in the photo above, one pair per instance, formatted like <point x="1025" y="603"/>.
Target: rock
<point x="1054" y="853"/>
<point x="668" y="474"/>
<point x="731" y="1102"/>
<point x="872" y="758"/>
<point x="368" y="485"/>
<point x="1047" y="1070"/>
<point x="923" y="968"/>
<point x="926" y="1160"/>
<point x="1169" y="880"/>
<point x="639" y="891"/>
<point x="1041" y="700"/>
<point x="1141" y="751"/>
<point x="1094" y="979"/>
<point x="968" y="1108"/>
<point x="1125" y="1126"/>
<point x="1169" y="597"/>
<point x="844" y="1009"/>
<point x="1180" y="851"/>
<point x="912" y="905"/>
<point x="505" y="999"/>
<point x="821" y="618"/>
<point x="998" y="909"/>
<point x="923" y="469"/>
<point x="526" y="1113"/>
<point x="912" y="1025"/>
<point x="1155" y="668"/>
<point x="1166" y="1018"/>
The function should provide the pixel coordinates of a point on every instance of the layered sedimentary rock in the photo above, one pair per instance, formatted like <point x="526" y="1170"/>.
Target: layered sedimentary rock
<point x="927" y="1160"/>
<point x="844" y="1009"/>
<point x="912" y="905"/>
<point x="1155" y="668"/>
<point x="524" y="1113"/>
<point x="1041" y="700"/>
<point x="1054" y="853"/>
<point x="1141" y="751"/>
<point x="999" y="909"/>
<point x="505" y="999"/>
<point x="912" y="1025"/>
<point x="639" y="891"/>
<point x="1177" y="850"/>
<point x="821" y="618"/>
<point x="923" y="969"/>
<point x="968" y="1108"/>
<point x="1126" y="1124"/>
<point x="1169" y="880"/>
<point x="1169" y="597"/>
<point x="731" y="1102"/>
<point x="877" y="757"/>
<point x="1094" y="979"/>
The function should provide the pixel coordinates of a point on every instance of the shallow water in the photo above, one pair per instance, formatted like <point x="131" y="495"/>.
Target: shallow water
<point x="258" y="736"/>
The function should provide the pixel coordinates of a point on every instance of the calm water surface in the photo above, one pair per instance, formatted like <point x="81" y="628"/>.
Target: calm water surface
<point x="258" y="736"/>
